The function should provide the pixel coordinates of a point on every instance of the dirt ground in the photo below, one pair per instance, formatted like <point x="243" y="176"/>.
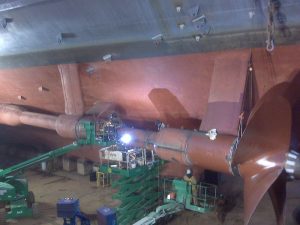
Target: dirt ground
<point x="48" y="189"/>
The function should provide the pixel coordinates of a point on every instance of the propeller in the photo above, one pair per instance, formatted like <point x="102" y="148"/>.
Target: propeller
<point x="261" y="153"/>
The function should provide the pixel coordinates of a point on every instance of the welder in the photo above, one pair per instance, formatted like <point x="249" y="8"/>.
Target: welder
<point x="188" y="177"/>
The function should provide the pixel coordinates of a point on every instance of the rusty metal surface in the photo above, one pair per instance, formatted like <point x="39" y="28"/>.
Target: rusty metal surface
<point x="10" y="115"/>
<point x="64" y="125"/>
<point x="226" y="93"/>
<point x="174" y="89"/>
<point x="203" y="151"/>
<point x="185" y="147"/>
<point x="292" y="93"/>
<point x="268" y="130"/>
<point x="128" y="84"/>
<point x="26" y="82"/>
<point x="70" y="81"/>
<point x="38" y="120"/>
<point x="276" y="67"/>
<point x="193" y="149"/>
<point x="261" y="153"/>
<point x="255" y="188"/>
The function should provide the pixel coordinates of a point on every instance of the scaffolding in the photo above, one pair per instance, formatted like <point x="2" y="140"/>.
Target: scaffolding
<point x="120" y="157"/>
<point x="135" y="174"/>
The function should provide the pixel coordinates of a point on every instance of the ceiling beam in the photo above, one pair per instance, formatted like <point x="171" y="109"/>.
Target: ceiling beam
<point x="82" y="54"/>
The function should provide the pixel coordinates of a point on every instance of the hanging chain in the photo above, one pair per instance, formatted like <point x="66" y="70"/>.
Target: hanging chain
<point x="270" y="27"/>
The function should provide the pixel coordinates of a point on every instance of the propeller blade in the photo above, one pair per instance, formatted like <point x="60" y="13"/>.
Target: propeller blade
<point x="261" y="153"/>
<point x="268" y="130"/>
<point x="255" y="187"/>
<point x="277" y="193"/>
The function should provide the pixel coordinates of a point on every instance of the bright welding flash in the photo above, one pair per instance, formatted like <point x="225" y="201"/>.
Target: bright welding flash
<point x="126" y="138"/>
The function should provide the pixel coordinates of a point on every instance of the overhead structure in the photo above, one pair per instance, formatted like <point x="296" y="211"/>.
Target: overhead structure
<point x="100" y="30"/>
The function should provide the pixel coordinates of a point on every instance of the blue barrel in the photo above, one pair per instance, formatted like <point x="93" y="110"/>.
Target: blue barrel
<point x="106" y="216"/>
<point x="67" y="207"/>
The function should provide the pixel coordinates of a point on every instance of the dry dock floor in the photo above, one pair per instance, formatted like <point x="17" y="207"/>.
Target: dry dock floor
<point x="48" y="189"/>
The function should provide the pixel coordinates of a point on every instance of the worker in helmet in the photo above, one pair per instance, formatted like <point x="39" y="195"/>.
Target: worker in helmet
<point x="191" y="180"/>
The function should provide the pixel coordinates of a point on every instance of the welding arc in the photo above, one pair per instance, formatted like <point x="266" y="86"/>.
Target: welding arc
<point x="261" y="154"/>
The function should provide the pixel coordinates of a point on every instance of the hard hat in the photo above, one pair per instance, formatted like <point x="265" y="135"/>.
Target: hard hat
<point x="188" y="171"/>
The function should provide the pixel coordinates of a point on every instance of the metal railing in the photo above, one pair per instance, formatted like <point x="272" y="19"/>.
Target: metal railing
<point x="202" y="195"/>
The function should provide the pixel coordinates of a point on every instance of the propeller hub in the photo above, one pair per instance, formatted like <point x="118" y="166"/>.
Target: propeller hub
<point x="292" y="165"/>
